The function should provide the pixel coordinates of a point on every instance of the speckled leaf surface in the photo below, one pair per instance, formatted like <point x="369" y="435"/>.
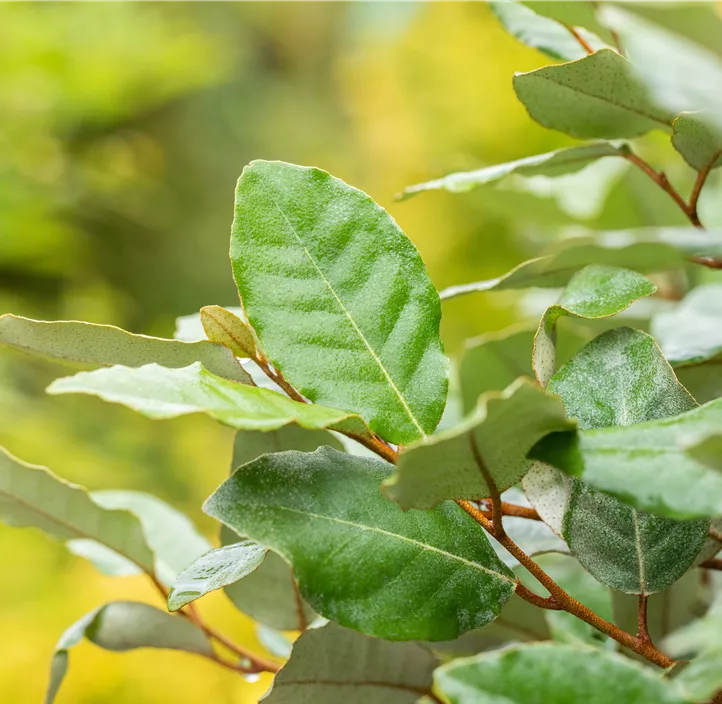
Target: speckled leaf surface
<point x="597" y="97"/>
<point x="332" y="664"/>
<point x="358" y="558"/>
<point x="699" y="142"/>
<point x="540" y="674"/>
<point x="158" y="393"/>
<point x="339" y="298"/>
<point x="597" y="291"/>
<point x="619" y="379"/>
<point x="126" y="625"/>
<point x="224" y="328"/>
<point x="488" y="447"/>
<point x="556" y="163"/>
<point x="87" y="344"/>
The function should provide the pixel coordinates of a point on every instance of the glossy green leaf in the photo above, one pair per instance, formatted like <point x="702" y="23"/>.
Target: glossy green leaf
<point x="556" y="163"/>
<point x="333" y="664"/>
<point x="32" y="496"/>
<point x="339" y="298"/>
<point x="86" y="344"/>
<point x="215" y="570"/>
<point x="597" y="291"/>
<point x="540" y="674"/>
<point x="358" y="558"/>
<point x="699" y="142"/>
<point x="488" y="448"/>
<point x="680" y="74"/>
<point x="126" y="625"/>
<point x="158" y="392"/>
<point x="224" y="328"/>
<point x="597" y="97"/>
<point x="701" y="639"/>
<point x="620" y="379"/>
<point x="543" y="33"/>
<point x="642" y="250"/>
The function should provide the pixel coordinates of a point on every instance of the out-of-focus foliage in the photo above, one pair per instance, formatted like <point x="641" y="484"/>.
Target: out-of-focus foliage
<point x="123" y="128"/>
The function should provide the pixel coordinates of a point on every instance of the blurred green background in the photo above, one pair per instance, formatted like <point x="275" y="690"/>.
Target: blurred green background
<point x="123" y="128"/>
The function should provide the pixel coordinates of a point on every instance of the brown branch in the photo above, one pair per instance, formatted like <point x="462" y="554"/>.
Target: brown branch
<point x="584" y="43"/>
<point x="698" y="185"/>
<point x="508" y="509"/>
<point x="642" y="629"/>
<point x="567" y="602"/>
<point x="496" y="514"/>
<point x="714" y="563"/>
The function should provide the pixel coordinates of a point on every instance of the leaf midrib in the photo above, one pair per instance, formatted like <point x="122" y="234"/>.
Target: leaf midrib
<point x="345" y="311"/>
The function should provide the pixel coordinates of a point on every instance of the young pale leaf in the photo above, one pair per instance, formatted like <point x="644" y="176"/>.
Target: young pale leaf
<point x="597" y="97"/>
<point x="333" y="664"/>
<point x="274" y="641"/>
<point x="158" y="392"/>
<point x="649" y="465"/>
<point x="698" y="141"/>
<point x="33" y="496"/>
<point x="546" y="673"/>
<point x="358" y="558"/>
<point x="533" y="537"/>
<point x="224" y="328"/>
<point x="86" y="344"/>
<point x="653" y="249"/>
<point x="488" y="448"/>
<point x="126" y="625"/>
<point x="556" y="163"/>
<point x="214" y="570"/>
<point x="597" y="291"/>
<point x="543" y="33"/>
<point x="339" y="298"/>
<point x="189" y="328"/>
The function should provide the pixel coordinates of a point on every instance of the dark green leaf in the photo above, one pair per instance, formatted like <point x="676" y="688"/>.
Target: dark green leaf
<point x="225" y="328"/>
<point x="557" y="163"/>
<point x="339" y="298"/>
<point x="552" y="674"/>
<point x="86" y="344"/>
<point x="488" y="447"/>
<point x="331" y="664"/>
<point x="597" y="97"/>
<point x="358" y="558"/>
<point x="699" y="142"/>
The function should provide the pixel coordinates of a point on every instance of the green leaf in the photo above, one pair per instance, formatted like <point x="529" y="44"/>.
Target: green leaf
<point x="556" y="163"/>
<point x="573" y="14"/>
<point x="488" y="447"/>
<point x="533" y="537"/>
<point x="543" y="33"/>
<point x="274" y="641"/>
<point x="540" y="674"/>
<point x="642" y="250"/>
<point x="214" y="570"/>
<point x="32" y="496"/>
<point x="86" y="344"/>
<point x="358" y="558"/>
<point x="126" y="625"/>
<point x="678" y="73"/>
<point x="619" y="379"/>
<point x="189" y="328"/>
<point x="339" y="298"/>
<point x="702" y="678"/>
<point x="157" y="392"/>
<point x="224" y="328"/>
<point x="698" y="141"/>
<point x="597" y="97"/>
<point x="333" y="664"/>
<point x="597" y="291"/>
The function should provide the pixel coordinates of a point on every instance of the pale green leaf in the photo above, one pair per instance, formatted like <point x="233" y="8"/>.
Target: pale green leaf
<point x="556" y="163"/>
<point x="358" y="558"/>
<point x="126" y="625"/>
<point x="543" y="33"/>
<point x="32" y="496"/>
<point x="642" y="250"/>
<point x="225" y="328"/>
<point x="274" y="641"/>
<point x="533" y="537"/>
<point x="546" y="673"/>
<point x="215" y="570"/>
<point x="332" y="664"/>
<point x="158" y="392"/>
<point x="597" y="291"/>
<point x="580" y="13"/>
<point x="339" y="298"/>
<point x="488" y="448"/>
<point x="699" y="142"/>
<point x="597" y="97"/>
<point x="87" y="344"/>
